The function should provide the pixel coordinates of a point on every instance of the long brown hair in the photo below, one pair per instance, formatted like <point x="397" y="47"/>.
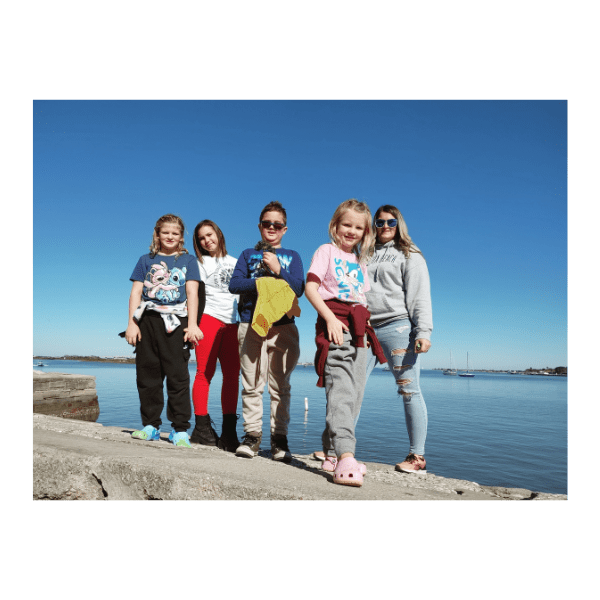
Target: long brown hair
<point x="199" y="250"/>
<point x="364" y="249"/>
<point x="170" y="218"/>
<point x="402" y="241"/>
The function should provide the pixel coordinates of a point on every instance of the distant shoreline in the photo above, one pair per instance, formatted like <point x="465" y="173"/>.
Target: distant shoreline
<point x="114" y="359"/>
<point x="131" y="361"/>
<point x="510" y="372"/>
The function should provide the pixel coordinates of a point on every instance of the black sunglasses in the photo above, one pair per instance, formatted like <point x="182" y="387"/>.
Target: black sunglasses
<point x="379" y="223"/>
<point x="275" y="224"/>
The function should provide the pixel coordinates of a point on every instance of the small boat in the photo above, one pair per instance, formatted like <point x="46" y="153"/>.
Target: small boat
<point x="40" y="364"/>
<point x="467" y="373"/>
<point x="451" y="370"/>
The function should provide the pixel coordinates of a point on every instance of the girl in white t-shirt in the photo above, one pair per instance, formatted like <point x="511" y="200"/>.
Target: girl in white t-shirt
<point x="219" y="326"/>
<point x="336" y="284"/>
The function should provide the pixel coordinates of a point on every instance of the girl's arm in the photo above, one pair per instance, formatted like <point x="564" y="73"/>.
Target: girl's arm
<point x="132" y="333"/>
<point x="335" y="327"/>
<point x="192" y="331"/>
<point x="418" y="301"/>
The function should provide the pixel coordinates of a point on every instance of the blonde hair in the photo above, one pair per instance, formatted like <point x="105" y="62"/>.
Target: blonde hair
<point x="155" y="245"/>
<point x="402" y="241"/>
<point x="364" y="248"/>
<point x="200" y="251"/>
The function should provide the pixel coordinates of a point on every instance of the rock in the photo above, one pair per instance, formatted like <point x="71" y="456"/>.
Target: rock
<point x="65" y="395"/>
<point x="77" y="460"/>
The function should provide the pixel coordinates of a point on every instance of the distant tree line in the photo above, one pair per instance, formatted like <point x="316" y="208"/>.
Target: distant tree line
<point x="557" y="370"/>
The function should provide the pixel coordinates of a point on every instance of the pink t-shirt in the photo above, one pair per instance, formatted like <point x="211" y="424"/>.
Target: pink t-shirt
<point x="342" y="276"/>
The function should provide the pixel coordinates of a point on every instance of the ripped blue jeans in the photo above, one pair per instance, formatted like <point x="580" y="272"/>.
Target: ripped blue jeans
<point x="398" y="342"/>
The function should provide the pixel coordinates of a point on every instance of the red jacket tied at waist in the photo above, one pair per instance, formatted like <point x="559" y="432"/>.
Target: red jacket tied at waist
<point x="356" y="317"/>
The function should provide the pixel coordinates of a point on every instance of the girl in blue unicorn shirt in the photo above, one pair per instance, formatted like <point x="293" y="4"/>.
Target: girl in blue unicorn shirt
<point x="163" y="316"/>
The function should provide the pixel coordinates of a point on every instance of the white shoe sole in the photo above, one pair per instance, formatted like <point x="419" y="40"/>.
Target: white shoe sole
<point x="282" y="456"/>
<point x="421" y="472"/>
<point x="245" y="452"/>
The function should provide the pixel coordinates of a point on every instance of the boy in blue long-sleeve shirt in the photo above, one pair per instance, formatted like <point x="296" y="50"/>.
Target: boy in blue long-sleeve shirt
<point x="276" y="355"/>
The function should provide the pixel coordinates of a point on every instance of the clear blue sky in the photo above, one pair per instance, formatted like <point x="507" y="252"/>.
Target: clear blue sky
<point x="482" y="186"/>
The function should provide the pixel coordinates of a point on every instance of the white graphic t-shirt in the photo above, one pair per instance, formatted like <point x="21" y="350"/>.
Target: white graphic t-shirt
<point x="220" y="302"/>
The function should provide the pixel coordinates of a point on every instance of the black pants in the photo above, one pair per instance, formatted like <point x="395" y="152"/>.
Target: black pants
<point x="158" y="355"/>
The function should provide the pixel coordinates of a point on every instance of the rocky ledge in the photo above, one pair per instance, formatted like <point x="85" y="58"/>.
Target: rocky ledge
<point x="79" y="460"/>
<point x="65" y="395"/>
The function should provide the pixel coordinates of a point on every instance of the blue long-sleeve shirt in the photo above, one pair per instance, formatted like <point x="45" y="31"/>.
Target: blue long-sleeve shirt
<point x="243" y="280"/>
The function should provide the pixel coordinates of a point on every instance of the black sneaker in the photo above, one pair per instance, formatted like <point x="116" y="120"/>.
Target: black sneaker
<point x="250" y="445"/>
<point x="204" y="432"/>
<point x="280" y="449"/>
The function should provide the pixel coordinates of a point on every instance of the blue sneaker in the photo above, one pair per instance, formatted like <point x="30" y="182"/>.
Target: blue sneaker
<point x="149" y="434"/>
<point x="180" y="438"/>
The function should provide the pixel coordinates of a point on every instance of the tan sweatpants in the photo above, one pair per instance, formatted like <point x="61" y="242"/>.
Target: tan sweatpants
<point x="272" y="358"/>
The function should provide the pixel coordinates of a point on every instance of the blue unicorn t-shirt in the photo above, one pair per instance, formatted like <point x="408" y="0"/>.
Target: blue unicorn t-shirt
<point x="164" y="277"/>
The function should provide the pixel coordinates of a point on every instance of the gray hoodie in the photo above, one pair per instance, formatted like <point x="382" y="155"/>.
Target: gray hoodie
<point x="399" y="289"/>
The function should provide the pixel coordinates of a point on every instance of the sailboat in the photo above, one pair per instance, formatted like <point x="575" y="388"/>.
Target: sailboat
<point x="451" y="370"/>
<point x="467" y="373"/>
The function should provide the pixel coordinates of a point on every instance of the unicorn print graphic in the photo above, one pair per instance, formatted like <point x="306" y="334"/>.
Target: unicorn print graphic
<point x="162" y="285"/>
<point x="350" y="280"/>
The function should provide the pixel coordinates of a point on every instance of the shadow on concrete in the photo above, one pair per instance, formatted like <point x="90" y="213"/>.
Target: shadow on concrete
<point x="296" y="462"/>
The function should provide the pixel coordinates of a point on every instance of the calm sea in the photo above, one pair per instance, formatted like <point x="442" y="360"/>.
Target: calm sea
<point x="494" y="429"/>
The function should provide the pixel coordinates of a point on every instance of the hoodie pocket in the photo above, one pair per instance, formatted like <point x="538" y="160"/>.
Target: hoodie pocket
<point x="378" y="304"/>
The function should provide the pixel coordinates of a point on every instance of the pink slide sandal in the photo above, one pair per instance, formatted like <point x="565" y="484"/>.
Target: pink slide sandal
<point x="348" y="472"/>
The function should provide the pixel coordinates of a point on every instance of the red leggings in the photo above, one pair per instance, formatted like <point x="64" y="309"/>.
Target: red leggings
<point x="220" y="341"/>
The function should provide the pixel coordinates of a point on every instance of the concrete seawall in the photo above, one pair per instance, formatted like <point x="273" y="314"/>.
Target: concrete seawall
<point x="65" y="395"/>
<point x="79" y="460"/>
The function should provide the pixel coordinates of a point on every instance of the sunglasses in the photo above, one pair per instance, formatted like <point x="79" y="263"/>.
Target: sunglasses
<point x="275" y="224"/>
<point x="379" y="223"/>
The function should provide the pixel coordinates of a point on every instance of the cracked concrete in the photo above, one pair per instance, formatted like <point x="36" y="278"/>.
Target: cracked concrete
<point x="79" y="460"/>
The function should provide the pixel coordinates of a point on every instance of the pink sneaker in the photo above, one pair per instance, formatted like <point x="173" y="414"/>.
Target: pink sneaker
<point x="413" y="463"/>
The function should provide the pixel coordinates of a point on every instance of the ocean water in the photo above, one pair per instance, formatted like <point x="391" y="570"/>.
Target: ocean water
<point x="494" y="429"/>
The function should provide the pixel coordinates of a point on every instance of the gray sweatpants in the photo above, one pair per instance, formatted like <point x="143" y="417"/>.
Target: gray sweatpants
<point x="345" y="376"/>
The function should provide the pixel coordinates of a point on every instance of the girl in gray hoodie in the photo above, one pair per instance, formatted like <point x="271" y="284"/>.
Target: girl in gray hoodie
<point x="400" y="304"/>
